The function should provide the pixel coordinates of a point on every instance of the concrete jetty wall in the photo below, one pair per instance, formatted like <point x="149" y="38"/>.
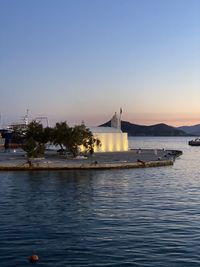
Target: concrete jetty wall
<point x="117" y="160"/>
<point x="46" y="166"/>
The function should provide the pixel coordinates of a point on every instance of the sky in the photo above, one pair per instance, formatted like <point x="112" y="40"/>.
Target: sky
<point x="82" y="60"/>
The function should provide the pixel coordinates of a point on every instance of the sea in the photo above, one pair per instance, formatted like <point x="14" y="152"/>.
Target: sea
<point x="128" y="217"/>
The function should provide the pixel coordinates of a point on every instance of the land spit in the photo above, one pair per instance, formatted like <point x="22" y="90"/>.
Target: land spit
<point x="136" y="158"/>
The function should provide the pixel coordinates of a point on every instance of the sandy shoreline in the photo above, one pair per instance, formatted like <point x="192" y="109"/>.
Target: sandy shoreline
<point x="132" y="159"/>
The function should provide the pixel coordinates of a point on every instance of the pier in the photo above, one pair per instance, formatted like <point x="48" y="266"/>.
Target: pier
<point x="136" y="158"/>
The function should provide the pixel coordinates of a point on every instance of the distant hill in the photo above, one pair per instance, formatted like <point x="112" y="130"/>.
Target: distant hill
<point x="153" y="130"/>
<point x="193" y="130"/>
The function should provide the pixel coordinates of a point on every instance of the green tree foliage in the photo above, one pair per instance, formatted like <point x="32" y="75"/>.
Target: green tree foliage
<point x="35" y="139"/>
<point x="69" y="138"/>
<point x="80" y="136"/>
<point x="59" y="134"/>
<point x="33" y="148"/>
<point x="18" y="134"/>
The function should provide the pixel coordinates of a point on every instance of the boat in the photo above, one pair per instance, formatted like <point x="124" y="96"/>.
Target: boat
<point x="195" y="142"/>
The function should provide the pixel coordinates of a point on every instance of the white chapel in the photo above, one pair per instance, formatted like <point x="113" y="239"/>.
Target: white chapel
<point x="112" y="138"/>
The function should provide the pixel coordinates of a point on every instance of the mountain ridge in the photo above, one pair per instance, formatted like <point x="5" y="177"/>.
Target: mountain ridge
<point x="193" y="129"/>
<point x="160" y="129"/>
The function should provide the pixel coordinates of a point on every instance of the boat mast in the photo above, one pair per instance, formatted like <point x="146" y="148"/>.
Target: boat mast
<point x="26" y="121"/>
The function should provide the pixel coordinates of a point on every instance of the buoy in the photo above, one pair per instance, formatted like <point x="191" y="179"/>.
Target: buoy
<point x="34" y="258"/>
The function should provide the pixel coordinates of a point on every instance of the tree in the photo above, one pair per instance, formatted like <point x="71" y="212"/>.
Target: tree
<point x="18" y="134"/>
<point x="59" y="134"/>
<point x="69" y="138"/>
<point x="81" y="136"/>
<point x="33" y="148"/>
<point x="36" y="138"/>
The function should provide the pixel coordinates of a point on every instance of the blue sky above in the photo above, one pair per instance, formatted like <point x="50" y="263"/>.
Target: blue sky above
<point x="80" y="60"/>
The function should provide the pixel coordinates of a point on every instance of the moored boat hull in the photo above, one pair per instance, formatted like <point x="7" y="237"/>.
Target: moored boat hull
<point x="195" y="142"/>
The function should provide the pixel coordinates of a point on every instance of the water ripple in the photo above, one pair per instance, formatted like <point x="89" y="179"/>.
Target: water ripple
<point x="143" y="217"/>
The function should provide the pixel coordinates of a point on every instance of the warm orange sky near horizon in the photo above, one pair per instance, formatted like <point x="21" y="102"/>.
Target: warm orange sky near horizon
<point x="175" y="120"/>
<point x="170" y="119"/>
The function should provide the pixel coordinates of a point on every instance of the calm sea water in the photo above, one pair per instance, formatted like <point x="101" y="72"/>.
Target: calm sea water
<point x="134" y="217"/>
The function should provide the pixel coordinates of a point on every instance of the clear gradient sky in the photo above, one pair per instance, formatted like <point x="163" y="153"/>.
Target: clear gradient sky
<point x="80" y="60"/>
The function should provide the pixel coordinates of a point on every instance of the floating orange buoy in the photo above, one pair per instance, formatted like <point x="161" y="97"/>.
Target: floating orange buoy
<point x="34" y="258"/>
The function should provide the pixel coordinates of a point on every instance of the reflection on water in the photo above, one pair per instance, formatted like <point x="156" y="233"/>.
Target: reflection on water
<point x="133" y="217"/>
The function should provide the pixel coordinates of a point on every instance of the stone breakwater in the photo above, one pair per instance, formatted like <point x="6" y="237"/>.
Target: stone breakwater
<point x="138" y="158"/>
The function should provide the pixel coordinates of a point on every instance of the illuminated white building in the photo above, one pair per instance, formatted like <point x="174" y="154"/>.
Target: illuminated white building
<point x="112" y="138"/>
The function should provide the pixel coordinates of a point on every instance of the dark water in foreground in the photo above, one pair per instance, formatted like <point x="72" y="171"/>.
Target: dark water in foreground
<point x="134" y="217"/>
